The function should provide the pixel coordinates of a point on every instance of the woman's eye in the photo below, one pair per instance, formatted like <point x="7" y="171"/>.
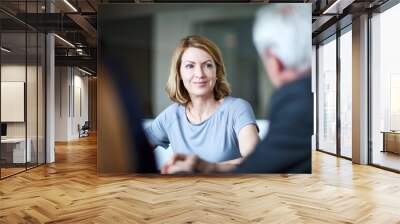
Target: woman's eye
<point x="189" y="66"/>
<point x="209" y="65"/>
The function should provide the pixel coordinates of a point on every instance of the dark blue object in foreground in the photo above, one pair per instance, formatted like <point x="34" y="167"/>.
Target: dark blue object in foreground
<point x="141" y="153"/>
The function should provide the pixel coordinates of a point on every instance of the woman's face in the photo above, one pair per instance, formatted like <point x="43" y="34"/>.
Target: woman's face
<point x="198" y="72"/>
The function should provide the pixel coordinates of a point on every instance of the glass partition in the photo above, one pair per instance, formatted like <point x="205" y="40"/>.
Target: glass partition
<point x="346" y="94"/>
<point x="327" y="96"/>
<point x="14" y="154"/>
<point x="31" y="100"/>
<point x="32" y="83"/>
<point x="22" y="91"/>
<point x="41" y="86"/>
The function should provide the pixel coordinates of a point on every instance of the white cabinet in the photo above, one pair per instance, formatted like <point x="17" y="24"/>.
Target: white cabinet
<point x="16" y="147"/>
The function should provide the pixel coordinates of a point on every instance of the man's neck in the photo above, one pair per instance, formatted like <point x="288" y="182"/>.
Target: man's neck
<point x="290" y="75"/>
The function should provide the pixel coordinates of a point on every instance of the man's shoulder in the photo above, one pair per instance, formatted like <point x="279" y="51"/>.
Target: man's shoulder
<point x="293" y="96"/>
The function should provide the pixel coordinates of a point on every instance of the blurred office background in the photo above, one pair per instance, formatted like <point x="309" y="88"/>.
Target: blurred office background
<point x="146" y="37"/>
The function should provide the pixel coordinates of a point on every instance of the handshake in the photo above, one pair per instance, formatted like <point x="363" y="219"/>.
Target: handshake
<point x="187" y="164"/>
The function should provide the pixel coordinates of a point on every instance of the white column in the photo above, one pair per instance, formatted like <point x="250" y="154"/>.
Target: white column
<point x="50" y="93"/>
<point x="360" y="90"/>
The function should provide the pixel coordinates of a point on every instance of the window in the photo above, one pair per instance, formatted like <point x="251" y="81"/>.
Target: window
<point x="385" y="87"/>
<point x="327" y="96"/>
<point x="346" y="94"/>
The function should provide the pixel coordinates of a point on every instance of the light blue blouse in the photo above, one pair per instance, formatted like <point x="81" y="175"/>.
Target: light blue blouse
<point x="214" y="140"/>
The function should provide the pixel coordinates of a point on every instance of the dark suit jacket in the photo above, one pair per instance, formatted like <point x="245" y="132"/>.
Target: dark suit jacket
<point x="287" y="146"/>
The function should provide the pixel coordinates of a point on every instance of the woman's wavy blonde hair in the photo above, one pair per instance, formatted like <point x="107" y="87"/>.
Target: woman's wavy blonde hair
<point x="175" y="88"/>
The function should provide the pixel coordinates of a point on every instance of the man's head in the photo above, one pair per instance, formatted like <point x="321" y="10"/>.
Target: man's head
<point x="282" y="35"/>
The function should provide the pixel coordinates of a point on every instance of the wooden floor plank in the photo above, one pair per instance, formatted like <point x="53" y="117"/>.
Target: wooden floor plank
<point x="70" y="191"/>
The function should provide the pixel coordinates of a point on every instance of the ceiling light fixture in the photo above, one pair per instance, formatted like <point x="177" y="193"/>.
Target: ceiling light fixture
<point x="64" y="40"/>
<point x="84" y="71"/>
<point x="70" y="5"/>
<point x="337" y="7"/>
<point x="5" y="50"/>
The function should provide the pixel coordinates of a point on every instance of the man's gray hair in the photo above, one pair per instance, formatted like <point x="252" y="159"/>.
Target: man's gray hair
<point x="285" y="30"/>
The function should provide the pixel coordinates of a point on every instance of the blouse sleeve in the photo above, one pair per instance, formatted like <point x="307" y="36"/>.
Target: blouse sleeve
<point x="244" y="115"/>
<point x="156" y="131"/>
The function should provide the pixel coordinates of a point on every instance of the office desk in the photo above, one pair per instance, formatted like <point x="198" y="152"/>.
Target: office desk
<point x="391" y="141"/>
<point x="13" y="150"/>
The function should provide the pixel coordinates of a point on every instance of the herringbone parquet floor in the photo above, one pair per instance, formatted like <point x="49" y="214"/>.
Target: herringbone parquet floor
<point x="70" y="191"/>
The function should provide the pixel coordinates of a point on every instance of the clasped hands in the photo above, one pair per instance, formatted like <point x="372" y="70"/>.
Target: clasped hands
<point x="186" y="164"/>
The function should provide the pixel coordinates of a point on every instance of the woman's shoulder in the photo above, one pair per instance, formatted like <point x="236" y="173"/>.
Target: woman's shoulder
<point x="172" y="109"/>
<point x="169" y="114"/>
<point x="236" y="103"/>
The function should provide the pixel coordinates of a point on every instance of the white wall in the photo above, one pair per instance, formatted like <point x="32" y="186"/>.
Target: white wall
<point x="33" y="126"/>
<point x="80" y="84"/>
<point x="70" y="83"/>
<point x="61" y="103"/>
<point x="12" y="73"/>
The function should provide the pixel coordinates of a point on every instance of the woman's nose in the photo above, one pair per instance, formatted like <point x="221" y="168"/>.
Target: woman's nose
<point x="199" y="73"/>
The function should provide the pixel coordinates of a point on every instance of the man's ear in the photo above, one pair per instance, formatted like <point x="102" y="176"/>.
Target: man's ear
<point x="275" y="64"/>
<point x="272" y="64"/>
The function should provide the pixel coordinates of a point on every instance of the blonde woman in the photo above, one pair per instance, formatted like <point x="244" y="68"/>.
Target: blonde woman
<point x="204" y="120"/>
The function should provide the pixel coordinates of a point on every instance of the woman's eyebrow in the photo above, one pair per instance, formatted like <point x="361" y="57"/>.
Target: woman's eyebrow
<point x="189" y="61"/>
<point x="209" y="60"/>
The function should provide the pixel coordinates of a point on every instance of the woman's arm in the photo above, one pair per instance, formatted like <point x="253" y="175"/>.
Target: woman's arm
<point x="155" y="131"/>
<point x="248" y="139"/>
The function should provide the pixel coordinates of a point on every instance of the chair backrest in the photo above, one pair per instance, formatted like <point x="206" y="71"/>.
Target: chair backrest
<point x="86" y="124"/>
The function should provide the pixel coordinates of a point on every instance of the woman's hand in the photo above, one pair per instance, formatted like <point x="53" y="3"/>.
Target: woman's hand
<point x="181" y="163"/>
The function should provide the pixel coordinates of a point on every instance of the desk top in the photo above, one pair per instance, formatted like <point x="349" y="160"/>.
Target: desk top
<point x="13" y="140"/>
<point x="390" y="132"/>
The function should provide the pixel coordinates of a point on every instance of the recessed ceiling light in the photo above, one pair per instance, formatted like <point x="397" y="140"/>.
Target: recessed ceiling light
<point x="70" y="5"/>
<point x="5" y="50"/>
<point x="64" y="40"/>
<point x="338" y="6"/>
<point x="84" y="71"/>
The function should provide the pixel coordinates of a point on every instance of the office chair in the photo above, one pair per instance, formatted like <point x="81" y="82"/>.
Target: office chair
<point x="84" y="130"/>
